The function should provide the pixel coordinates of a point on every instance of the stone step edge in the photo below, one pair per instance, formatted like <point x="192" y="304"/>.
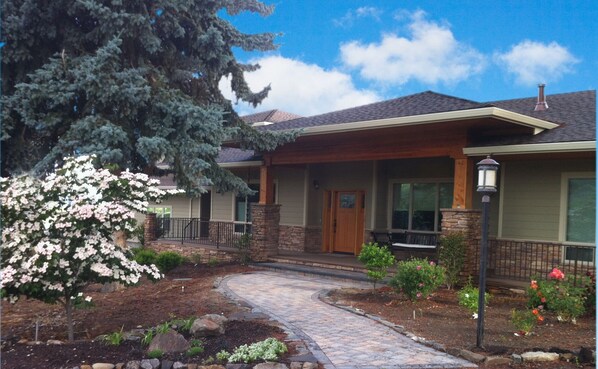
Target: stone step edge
<point x="315" y="271"/>
<point x="315" y="264"/>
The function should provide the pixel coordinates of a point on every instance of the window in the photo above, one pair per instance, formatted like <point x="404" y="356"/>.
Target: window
<point x="243" y="209"/>
<point x="415" y="206"/>
<point x="163" y="212"/>
<point x="578" y="215"/>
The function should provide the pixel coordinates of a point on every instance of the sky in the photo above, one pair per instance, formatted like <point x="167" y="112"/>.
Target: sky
<point x="336" y="54"/>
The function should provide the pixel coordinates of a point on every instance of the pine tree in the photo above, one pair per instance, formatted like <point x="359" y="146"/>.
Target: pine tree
<point x="133" y="82"/>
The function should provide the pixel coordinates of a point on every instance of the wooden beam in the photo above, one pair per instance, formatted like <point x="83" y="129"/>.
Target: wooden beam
<point x="463" y="183"/>
<point x="266" y="185"/>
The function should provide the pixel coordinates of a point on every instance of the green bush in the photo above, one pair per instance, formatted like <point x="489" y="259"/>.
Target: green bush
<point x="155" y="354"/>
<point x="524" y="321"/>
<point x="168" y="260"/>
<point x="377" y="260"/>
<point x="195" y="350"/>
<point x="469" y="296"/>
<point x="114" y="338"/>
<point x="452" y="253"/>
<point x="417" y="278"/>
<point x="243" y="244"/>
<point x="559" y="295"/>
<point x="145" y="256"/>
<point x="223" y="356"/>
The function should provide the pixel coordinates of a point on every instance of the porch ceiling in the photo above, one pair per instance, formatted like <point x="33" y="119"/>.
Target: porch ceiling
<point x="421" y="141"/>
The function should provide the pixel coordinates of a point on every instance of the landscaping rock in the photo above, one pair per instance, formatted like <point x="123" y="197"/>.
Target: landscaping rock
<point x="212" y="367"/>
<point x="206" y="327"/>
<point x="103" y="366"/>
<point x="179" y="365"/>
<point x="472" y="356"/>
<point x="134" y="335"/>
<point x="85" y="366"/>
<point x="134" y="364"/>
<point x="119" y="366"/>
<point x="587" y="355"/>
<point x="55" y="342"/>
<point x="220" y="319"/>
<point x="192" y="366"/>
<point x="517" y="359"/>
<point x="169" y="342"/>
<point x="270" y="366"/>
<point x="166" y="364"/>
<point x="150" y="363"/>
<point x="238" y="366"/>
<point x="296" y="365"/>
<point x="537" y="356"/>
<point x="497" y="360"/>
<point x="308" y="365"/>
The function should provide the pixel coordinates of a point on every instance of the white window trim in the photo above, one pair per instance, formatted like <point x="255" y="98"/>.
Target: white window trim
<point x="234" y="201"/>
<point x="565" y="177"/>
<point x="161" y="207"/>
<point x="393" y="181"/>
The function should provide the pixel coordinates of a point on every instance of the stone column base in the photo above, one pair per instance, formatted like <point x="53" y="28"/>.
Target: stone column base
<point x="467" y="222"/>
<point x="265" y="223"/>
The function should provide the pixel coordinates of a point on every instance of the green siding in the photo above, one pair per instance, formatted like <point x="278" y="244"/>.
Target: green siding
<point x="531" y="196"/>
<point x="290" y="188"/>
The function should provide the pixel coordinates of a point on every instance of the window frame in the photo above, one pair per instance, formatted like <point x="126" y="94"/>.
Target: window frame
<point x="563" y="212"/>
<point x="411" y="182"/>
<point x="161" y="214"/>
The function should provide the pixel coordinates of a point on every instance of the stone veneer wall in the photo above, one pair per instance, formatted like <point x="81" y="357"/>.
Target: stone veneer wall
<point x="466" y="221"/>
<point x="149" y="227"/>
<point x="291" y="238"/>
<point x="265" y="219"/>
<point x="313" y="239"/>
<point x="192" y="251"/>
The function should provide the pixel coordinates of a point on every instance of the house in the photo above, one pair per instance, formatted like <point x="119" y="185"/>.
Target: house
<point x="408" y="164"/>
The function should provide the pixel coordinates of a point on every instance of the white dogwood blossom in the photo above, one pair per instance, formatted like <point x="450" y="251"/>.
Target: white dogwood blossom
<point x="58" y="231"/>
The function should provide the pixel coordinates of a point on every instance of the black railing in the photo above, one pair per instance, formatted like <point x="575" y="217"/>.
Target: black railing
<point x="206" y="232"/>
<point x="521" y="260"/>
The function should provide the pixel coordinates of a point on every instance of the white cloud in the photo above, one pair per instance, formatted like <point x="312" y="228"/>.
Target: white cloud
<point x="430" y="54"/>
<point x="351" y="16"/>
<point x="534" y="62"/>
<point x="300" y="88"/>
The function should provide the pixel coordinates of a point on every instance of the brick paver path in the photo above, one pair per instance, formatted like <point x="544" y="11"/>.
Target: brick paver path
<point x="346" y="340"/>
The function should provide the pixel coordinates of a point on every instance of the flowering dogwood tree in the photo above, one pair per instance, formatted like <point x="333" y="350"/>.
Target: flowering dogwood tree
<point x="58" y="231"/>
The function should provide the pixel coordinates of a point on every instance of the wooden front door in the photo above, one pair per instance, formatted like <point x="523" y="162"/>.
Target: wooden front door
<point x="344" y="221"/>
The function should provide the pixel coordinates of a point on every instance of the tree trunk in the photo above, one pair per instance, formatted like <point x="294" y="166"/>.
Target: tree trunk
<point x="69" y="319"/>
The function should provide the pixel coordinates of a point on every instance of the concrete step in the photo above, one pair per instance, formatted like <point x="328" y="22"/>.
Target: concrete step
<point x="308" y="270"/>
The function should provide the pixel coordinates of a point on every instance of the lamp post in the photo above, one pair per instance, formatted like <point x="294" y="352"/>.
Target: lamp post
<point x="487" y="169"/>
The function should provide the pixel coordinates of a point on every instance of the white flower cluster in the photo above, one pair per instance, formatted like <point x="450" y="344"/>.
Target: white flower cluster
<point x="58" y="231"/>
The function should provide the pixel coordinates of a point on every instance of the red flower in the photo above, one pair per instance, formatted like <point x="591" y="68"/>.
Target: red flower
<point x="556" y="274"/>
<point x="543" y="299"/>
<point x="535" y="312"/>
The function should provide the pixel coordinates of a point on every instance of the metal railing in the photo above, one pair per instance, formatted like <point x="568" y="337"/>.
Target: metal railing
<point x="206" y="232"/>
<point x="521" y="260"/>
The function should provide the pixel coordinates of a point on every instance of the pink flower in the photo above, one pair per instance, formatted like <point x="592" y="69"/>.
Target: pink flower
<point x="419" y="295"/>
<point x="543" y="299"/>
<point x="419" y="267"/>
<point x="420" y="285"/>
<point x="432" y="263"/>
<point x="556" y="274"/>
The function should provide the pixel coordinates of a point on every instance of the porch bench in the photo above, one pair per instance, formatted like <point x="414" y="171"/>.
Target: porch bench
<point x="407" y="240"/>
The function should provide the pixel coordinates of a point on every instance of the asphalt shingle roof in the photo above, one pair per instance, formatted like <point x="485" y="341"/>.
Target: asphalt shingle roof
<point x="272" y="116"/>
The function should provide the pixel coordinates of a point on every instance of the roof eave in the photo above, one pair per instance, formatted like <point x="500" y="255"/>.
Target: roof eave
<point x="540" y="148"/>
<point x="241" y="164"/>
<point x="488" y="112"/>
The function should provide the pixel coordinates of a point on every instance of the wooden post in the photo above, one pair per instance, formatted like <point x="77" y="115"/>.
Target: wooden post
<point x="463" y="185"/>
<point x="266" y="185"/>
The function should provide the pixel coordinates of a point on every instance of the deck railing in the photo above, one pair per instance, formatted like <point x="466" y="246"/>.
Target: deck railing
<point x="521" y="260"/>
<point x="206" y="232"/>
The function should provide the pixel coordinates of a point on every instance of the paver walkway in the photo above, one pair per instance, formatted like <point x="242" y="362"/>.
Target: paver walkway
<point x="346" y="340"/>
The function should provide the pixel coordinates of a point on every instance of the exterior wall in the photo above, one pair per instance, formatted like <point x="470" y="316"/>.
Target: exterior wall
<point x="466" y="221"/>
<point x="313" y="239"/>
<point x="222" y="206"/>
<point x="291" y="238"/>
<point x="264" y="231"/>
<point x="531" y="195"/>
<point x="290" y="188"/>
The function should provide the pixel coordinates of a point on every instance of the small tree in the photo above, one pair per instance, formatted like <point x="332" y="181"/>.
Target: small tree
<point x="452" y="253"/>
<point x="377" y="260"/>
<point x="58" y="231"/>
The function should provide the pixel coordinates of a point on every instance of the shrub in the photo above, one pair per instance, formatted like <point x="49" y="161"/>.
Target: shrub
<point x="213" y="262"/>
<point x="163" y="328"/>
<point x="590" y="291"/>
<point x="377" y="260"/>
<point x="417" y="278"/>
<point x="168" y="260"/>
<point x="559" y="295"/>
<point x="267" y="350"/>
<point x="223" y="356"/>
<point x="243" y="244"/>
<point x="114" y="338"/>
<point x="155" y="354"/>
<point x="451" y="253"/>
<point x="469" y="296"/>
<point x="195" y="350"/>
<point x="145" y="256"/>
<point x="523" y="320"/>
<point x="148" y="337"/>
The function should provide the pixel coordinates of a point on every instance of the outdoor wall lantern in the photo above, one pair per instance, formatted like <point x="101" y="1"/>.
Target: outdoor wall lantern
<point x="487" y="169"/>
<point x="316" y="184"/>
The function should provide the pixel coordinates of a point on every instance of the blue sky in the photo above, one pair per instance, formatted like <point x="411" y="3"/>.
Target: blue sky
<point x="338" y="54"/>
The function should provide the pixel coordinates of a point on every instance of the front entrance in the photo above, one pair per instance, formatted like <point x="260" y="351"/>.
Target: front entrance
<point x="343" y="222"/>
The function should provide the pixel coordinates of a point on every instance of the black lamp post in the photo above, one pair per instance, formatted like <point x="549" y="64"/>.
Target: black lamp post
<point x="487" y="169"/>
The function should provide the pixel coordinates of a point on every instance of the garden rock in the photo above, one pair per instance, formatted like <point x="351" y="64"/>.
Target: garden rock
<point x="150" y="363"/>
<point x="166" y="364"/>
<point x="308" y="365"/>
<point x="169" y="342"/>
<point x="536" y="356"/>
<point x="134" y="364"/>
<point x="208" y="325"/>
<point x="517" y="359"/>
<point x="271" y="366"/>
<point x="296" y="365"/>
<point x="179" y="365"/>
<point x="587" y="355"/>
<point x="238" y="366"/>
<point x="212" y="367"/>
<point x="103" y="366"/>
<point x="497" y="360"/>
<point x="472" y="356"/>
<point x="119" y="366"/>
<point x="55" y="342"/>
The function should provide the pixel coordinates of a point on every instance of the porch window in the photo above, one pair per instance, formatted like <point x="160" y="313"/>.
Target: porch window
<point x="162" y="212"/>
<point x="580" y="217"/>
<point x="243" y="209"/>
<point x="415" y="206"/>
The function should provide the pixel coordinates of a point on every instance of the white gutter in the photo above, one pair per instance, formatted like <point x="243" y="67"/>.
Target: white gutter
<point x="490" y="112"/>
<point x="241" y="164"/>
<point x="556" y="147"/>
